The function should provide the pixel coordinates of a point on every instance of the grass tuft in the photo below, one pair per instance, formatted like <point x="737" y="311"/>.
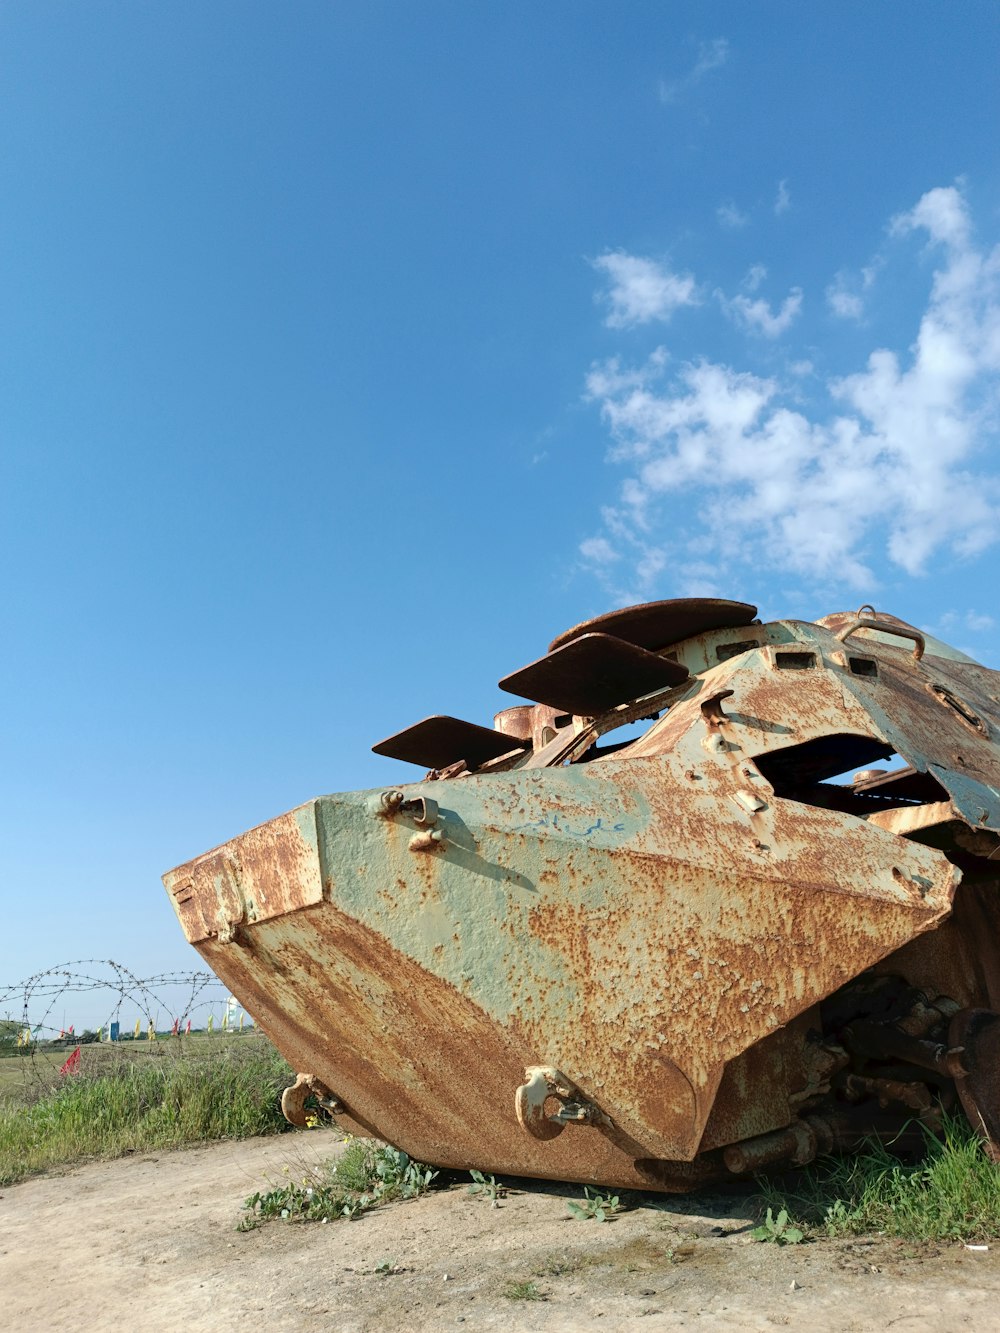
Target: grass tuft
<point x="953" y="1193"/>
<point x="523" y="1291"/>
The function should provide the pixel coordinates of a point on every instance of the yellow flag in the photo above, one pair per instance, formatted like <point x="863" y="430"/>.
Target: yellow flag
<point x="211" y="1021"/>
<point x="242" y="1016"/>
<point x="151" y="1032"/>
<point x="138" y="1029"/>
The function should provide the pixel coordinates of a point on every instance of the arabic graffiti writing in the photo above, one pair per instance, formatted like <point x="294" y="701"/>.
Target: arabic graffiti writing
<point x="559" y="825"/>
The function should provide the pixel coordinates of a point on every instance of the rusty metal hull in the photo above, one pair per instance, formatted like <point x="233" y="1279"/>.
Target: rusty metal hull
<point x="622" y="968"/>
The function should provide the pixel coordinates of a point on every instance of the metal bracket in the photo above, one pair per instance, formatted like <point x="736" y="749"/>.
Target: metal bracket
<point x="542" y="1083"/>
<point x="862" y="621"/>
<point x="293" y="1099"/>
<point x="424" y="811"/>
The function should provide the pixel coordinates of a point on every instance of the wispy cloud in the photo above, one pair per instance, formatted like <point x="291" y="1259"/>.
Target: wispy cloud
<point x="599" y="551"/>
<point x="843" y="302"/>
<point x="976" y="621"/>
<point x="642" y="290"/>
<point x="711" y="56"/>
<point x="782" y="200"/>
<point x="847" y="293"/>
<point x="730" y="216"/>
<point x="755" y="313"/>
<point x="885" y="462"/>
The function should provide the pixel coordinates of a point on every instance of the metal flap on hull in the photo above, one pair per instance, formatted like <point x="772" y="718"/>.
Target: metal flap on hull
<point x="439" y="741"/>
<point x="593" y="674"/>
<point x="656" y="625"/>
<point x="270" y="871"/>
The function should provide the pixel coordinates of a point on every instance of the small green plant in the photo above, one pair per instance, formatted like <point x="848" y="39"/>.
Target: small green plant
<point x="523" y="1291"/>
<point x="486" y="1187"/>
<point x="301" y="1203"/>
<point x="367" y="1175"/>
<point x="778" y="1230"/>
<point x="599" y="1207"/>
<point x="398" y="1176"/>
<point x="385" y="1172"/>
<point x="837" y="1218"/>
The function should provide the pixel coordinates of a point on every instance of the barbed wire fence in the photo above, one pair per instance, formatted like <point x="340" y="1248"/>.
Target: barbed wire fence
<point x="39" y="1015"/>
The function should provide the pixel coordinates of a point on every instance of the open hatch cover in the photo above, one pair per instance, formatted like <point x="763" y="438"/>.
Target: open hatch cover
<point x="656" y="625"/>
<point x="439" y="741"/>
<point x="593" y="674"/>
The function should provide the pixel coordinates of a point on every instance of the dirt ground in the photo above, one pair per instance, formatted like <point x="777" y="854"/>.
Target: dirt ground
<point x="149" y="1243"/>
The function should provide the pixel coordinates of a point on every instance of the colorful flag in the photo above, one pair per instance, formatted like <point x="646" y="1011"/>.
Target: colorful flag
<point x="151" y="1032"/>
<point x="72" y="1065"/>
<point x="175" y="1030"/>
<point x="188" y="1028"/>
<point x="211" y="1020"/>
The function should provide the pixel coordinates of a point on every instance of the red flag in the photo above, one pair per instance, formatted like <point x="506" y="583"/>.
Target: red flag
<point x="175" y="1030"/>
<point x="72" y="1065"/>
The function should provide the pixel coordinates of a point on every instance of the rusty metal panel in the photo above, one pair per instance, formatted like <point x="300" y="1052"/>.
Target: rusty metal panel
<point x="586" y="917"/>
<point x="269" y="872"/>
<point x="691" y="955"/>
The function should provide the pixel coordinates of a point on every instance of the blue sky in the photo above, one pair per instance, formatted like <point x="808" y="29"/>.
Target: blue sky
<point x="348" y="353"/>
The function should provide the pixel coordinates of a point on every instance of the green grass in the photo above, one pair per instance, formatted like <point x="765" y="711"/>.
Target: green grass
<point x="952" y="1193"/>
<point x="24" y="1077"/>
<point x="126" y="1104"/>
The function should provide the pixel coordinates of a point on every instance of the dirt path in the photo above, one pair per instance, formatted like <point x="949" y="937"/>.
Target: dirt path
<point x="148" y="1243"/>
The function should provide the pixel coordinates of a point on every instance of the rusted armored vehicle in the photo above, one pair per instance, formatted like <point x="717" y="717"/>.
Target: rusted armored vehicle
<point x="760" y="922"/>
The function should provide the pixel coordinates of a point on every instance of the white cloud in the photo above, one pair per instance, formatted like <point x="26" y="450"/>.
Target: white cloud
<point x="730" y="216"/>
<point x="782" y="200"/>
<point x="886" y="464"/>
<point x="599" y="551"/>
<point x="844" y="303"/>
<point x="978" y="622"/>
<point x="972" y="620"/>
<point x="711" y="56"/>
<point x="642" y="290"/>
<point x="846" y="294"/>
<point x="941" y="213"/>
<point x="757" y="315"/>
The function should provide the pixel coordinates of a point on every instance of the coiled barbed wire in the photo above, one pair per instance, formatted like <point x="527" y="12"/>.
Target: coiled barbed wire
<point x="181" y="995"/>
